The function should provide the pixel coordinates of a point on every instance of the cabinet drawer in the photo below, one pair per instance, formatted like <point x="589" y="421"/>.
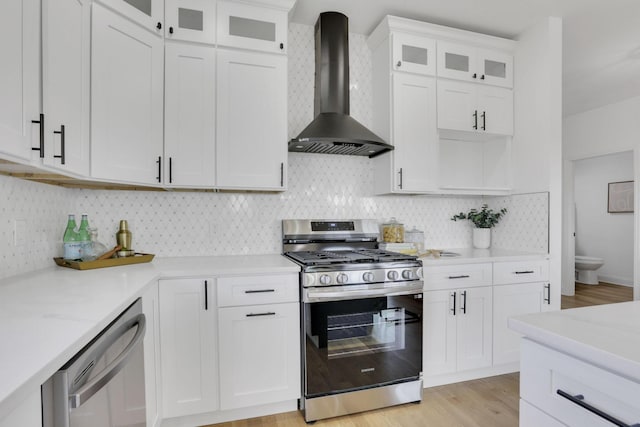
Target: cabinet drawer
<point x="530" y="416"/>
<point x="247" y="290"/>
<point x="457" y="276"/>
<point x="544" y="372"/>
<point x="520" y="272"/>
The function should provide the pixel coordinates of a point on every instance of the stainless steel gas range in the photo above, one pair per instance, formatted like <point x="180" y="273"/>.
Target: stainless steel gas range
<point x="361" y="315"/>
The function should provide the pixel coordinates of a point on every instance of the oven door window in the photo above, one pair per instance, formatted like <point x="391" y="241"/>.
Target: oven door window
<point x="361" y="343"/>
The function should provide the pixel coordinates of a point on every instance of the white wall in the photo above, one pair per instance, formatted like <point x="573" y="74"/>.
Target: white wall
<point x="598" y="233"/>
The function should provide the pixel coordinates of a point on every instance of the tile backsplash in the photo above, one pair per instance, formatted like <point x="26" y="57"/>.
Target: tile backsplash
<point x="319" y="186"/>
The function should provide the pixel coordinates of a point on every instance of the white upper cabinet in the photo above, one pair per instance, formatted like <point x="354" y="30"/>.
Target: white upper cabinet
<point x="251" y="114"/>
<point x="474" y="108"/>
<point x="189" y="120"/>
<point x="413" y="54"/>
<point x="470" y="63"/>
<point x="252" y="27"/>
<point x="148" y="13"/>
<point x="190" y="20"/>
<point x="20" y="82"/>
<point x="66" y="37"/>
<point x="126" y="100"/>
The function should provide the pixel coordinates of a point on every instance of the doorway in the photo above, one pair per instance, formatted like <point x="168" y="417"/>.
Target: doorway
<point x="596" y="230"/>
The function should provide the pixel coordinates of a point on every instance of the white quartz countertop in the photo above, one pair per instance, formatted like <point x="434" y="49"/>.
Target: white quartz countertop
<point x="470" y="256"/>
<point x="48" y="315"/>
<point x="605" y="335"/>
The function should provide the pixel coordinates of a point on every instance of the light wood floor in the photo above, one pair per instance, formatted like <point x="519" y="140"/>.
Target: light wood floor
<point x="604" y="293"/>
<point x="488" y="402"/>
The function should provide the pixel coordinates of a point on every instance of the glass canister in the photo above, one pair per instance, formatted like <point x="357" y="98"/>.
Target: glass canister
<point x="416" y="237"/>
<point x="393" y="232"/>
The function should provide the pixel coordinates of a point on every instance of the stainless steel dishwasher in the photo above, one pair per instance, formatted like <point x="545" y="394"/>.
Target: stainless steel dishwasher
<point x="102" y="385"/>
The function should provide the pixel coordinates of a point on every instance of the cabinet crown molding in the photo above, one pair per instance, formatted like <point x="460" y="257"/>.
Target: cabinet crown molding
<point x="390" y="24"/>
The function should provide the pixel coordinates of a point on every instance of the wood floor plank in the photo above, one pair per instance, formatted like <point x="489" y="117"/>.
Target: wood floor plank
<point x="603" y="293"/>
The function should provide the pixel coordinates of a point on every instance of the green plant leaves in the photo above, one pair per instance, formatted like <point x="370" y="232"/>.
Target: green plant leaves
<point x="484" y="218"/>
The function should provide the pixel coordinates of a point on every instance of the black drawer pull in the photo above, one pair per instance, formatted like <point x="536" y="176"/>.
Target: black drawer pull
<point x="62" y="144"/>
<point x="578" y="399"/>
<point x="259" y="291"/>
<point x="40" y="148"/>
<point x="524" y="272"/>
<point x="462" y="276"/>
<point x="547" y="287"/>
<point x="269" y="313"/>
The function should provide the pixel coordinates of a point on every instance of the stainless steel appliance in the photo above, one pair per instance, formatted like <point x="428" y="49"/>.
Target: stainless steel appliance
<point x="102" y="385"/>
<point x="361" y="318"/>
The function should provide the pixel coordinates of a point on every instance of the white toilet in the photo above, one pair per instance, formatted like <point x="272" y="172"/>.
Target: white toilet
<point x="586" y="268"/>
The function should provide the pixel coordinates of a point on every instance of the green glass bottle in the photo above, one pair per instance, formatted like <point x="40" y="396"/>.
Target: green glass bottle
<point x="83" y="236"/>
<point x="70" y="239"/>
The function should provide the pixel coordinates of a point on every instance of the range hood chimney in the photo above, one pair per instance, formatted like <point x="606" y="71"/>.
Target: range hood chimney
<point x="334" y="131"/>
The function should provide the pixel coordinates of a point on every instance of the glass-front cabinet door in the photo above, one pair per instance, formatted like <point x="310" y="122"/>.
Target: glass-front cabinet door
<point x="148" y="13"/>
<point x="469" y="63"/>
<point x="190" y="20"/>
<point x="252" y="27"/>
<point x="414" y="54"/>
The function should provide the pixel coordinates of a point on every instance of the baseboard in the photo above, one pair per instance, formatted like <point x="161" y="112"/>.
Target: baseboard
<point x="616" y="280"/>
<point x="456" y="377"/>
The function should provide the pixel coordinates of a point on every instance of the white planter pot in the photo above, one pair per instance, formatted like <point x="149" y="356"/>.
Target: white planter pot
<point x="481" y="238"/>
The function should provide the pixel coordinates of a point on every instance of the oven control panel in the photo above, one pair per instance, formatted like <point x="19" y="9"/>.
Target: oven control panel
<point x="358" y="277"/>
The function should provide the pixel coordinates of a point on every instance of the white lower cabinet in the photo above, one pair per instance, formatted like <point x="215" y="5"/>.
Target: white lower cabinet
<point x="259" y="354"/>
<point x="28" y="413"/>
<point x="563" y="386"/>
<point x="530" y="416"/>
<point x="228" y="344"/>
<point x="457" y="330"/>
<point x="152" y="374"/>
<point x="188" y="347"/>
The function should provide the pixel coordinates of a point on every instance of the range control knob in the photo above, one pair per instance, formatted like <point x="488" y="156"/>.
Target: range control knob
<point x="408" y="274"/>
<point x="325" y="279"/>
<point x="342" y="278"/>
<point x="368" y="276"/>
<point x="392" y="275"/>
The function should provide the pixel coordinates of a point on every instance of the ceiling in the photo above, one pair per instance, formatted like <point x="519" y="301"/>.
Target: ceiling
<point x="601" y="47"/>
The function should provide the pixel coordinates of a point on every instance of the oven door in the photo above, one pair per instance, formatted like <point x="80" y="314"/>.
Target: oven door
<point x="361" y="342"/>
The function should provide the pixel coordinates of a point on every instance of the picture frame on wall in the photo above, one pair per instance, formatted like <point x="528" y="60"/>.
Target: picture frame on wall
<point x="620" y="197"/>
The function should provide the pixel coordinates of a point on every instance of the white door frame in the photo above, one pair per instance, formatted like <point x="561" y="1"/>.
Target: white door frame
<point x="568" y="223"/>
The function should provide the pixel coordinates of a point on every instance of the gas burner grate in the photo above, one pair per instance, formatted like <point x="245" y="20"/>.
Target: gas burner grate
<point x="354" y="256"/>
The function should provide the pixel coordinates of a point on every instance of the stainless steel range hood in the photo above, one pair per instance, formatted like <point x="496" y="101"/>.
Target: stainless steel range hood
<point x="334" y="131"/>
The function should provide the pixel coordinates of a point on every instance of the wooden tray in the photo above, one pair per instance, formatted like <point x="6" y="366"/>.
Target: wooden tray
<point x="111" y="262"/>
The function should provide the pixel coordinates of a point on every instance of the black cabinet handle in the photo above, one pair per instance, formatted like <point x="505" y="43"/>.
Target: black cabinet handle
<point x="41" y="147"/>
<point x="62" y="144"/>
<point x="475" y="119"/>
<point x="482" y="77"/>
<point x="475" y="75"/>
<point x="270" y="313"/>
<point x="462" y="276"/>
<point x="524" y="272"/>
<point x="464" y="302"/>
<point x="399" y="64"/>
<point x="400" y="183"/>
<point x="159" y="162"/>
<point x="453" y="310"/>
<point x="159" y="25"/>
<point x="578" y="399"/>
<point x="282" y="174"/>
<point x="484" y="120"/>
<point x="548" y="289"/>
<point x="281" y="46"/>
<point x="170" y="170"/>
<point x="206" y="295"/>
<point x="170" y="30"/>
<point x="259" y="291"/>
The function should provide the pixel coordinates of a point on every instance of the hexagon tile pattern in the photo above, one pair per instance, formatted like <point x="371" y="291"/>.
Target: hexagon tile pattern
<point x="319" y="186"/>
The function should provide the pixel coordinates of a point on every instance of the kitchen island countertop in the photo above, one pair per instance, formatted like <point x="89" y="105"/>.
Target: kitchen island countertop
<point x="48" y="315"/>
<point x="607" y="335"/>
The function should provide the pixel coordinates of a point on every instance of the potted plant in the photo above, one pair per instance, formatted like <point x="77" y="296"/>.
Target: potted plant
<point x="484" y="220"/>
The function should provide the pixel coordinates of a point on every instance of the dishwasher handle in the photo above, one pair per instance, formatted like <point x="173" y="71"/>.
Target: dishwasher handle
<point x="86" y="391"/>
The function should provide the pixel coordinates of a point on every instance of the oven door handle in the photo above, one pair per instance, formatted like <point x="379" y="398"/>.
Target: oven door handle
<point x="342" y="294"/>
